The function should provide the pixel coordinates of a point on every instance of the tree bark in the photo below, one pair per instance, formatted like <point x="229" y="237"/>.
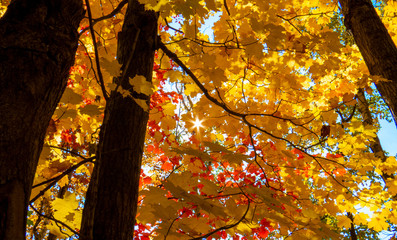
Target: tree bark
<point x="37" y="47"/>
<point x="112" y="197"/>
<point x="376" y="46"/>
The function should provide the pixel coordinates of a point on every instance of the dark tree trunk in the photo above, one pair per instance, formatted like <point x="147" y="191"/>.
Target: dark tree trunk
<point x="111" y="200"/>
<point x="376" y="46"/>
<point x="37" y="47"/>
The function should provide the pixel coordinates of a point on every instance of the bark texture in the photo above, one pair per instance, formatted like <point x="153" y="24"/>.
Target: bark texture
<point x="112" y="197"/>
<point x="37" y="47"/>
<point x="376" y="46"/>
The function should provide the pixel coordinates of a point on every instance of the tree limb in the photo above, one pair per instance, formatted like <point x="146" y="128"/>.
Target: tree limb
<point x="54" y="180"/>
<point x="102" y="84"/>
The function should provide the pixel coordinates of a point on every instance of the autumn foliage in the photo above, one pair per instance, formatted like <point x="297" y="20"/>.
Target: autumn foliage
<point x="253" y="133"/>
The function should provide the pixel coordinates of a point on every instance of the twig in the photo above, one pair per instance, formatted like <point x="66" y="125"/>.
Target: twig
<point x="243" y="116"/>
<point x="67" y="150"/>
<point x="55" y="220"/>
<point x="54" y="180"/>
<point x="175" y="58"/>
<point x="225" y="227"/>
<point x="92" y="64"/>
<point x="169" y="228"/>
<point x="110" y="15"/>
<point x="102" y="84"/>
<point x="172" y="28"/>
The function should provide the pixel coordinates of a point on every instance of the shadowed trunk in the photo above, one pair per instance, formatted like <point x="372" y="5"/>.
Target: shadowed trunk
<point x="111" y="200"/>
<point x="37" y="48"/>
<point x="376" y="46"/>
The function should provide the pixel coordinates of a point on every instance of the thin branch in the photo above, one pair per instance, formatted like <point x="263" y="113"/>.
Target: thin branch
<point x="66" y="172"/>
<point x="102" y="83"/>
<point x="54" y="180"/>
<point x="172" y="28"/>
<point x="92" y="64"/>
<point x="55" y="220"/>
<point x="256" y="157"/>
<point x="221" y="104"/>
<point x="243" y="117"/>
<point x="293" y="25"/>
<point x="175" y="58"/>
<point x="67" y="150"/>
<point x="110" y="15"/>
<point x="225" y="227"/>
<point x="169" y="228"/>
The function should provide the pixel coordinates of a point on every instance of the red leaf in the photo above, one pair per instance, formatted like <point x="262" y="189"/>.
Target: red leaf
<point x="147" y="180"/>
<point x="167" y="166"/>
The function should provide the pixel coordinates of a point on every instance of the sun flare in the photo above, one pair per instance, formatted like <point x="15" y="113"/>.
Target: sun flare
<point x="197" y="124"/>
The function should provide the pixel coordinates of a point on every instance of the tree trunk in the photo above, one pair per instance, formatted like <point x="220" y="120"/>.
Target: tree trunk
<point x="37" y="47"/>
<point x="376" y="46"/>
<point x="111" y="200"/>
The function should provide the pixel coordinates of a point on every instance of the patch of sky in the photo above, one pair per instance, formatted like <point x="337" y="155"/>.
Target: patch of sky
<point x="206" y="28"/>
<point x="388" y="135"/>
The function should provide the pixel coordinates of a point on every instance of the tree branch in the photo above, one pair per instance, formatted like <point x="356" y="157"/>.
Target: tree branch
<point x="55" y="220"/>
<point x="102" y="84"/>
<point x="243" y="117"/>
<point x="225" y="227"/>
<point x="110" y="15"/>
<point x="54" y="180"/>
<point x="353" y="235"/>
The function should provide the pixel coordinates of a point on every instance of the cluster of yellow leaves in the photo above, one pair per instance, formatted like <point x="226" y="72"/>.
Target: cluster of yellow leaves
<point x="280" y="72"/>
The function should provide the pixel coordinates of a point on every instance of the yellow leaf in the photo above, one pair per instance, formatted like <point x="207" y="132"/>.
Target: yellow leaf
<point x="69" y="96"/>
<point x="62" y="206"/>
<point x="142" y="103"/>
<point x="169" y="109"/>
<point x="140" y="85"/>
<point x="361" y="218"/>
<point x="112" y="67"/>
<point x="35" y="191"/>
<point x="153" y="4"/>
<point x="343" y="221"/>
<point x="310" y="213"/>
<point x="378" y="224"/>
<point x="124" y="92"/>
<point x="66" y="210"/>
<point x="64" y="181"/>
<point x="217" y="76"/>
<point x="255" y="48"/>
<point x="288" y="154"/>
<point x="64" y="112"/>
<point x="191" y="88"/>
<point x="91" y="110"/>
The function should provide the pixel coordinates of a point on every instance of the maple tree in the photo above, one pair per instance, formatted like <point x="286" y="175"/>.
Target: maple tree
<point x="259" y="128"/>
<point x="34" y="67"/>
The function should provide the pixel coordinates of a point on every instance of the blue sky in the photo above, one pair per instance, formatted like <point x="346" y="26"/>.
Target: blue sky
<point x="388" y="136"/>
